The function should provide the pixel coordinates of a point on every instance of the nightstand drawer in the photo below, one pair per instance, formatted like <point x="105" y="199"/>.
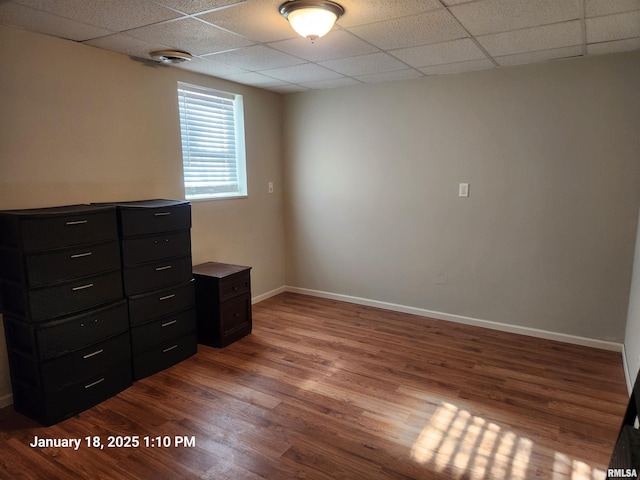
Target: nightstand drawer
<point x="150" y="248"/>
<point x="235" y="285"/>
<point x="162" y="330"/>
<point x="152" y="276"/>
<point x="235" y="315"/>
<point x="158" y="303"/>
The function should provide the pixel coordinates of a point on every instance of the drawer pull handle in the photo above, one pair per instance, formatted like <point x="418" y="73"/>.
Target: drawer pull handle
<point x="169" y="323"/>
<point x="156" y="242"/>
<point x="94" y="383"/>
<point x="80" y="255"/>
<point x="166" y="267"/>
<point x="169" y="349"/>
<point x="77" y="222"/>
<point x="162" y="214"/>
<point x="97" y="352"/>
<point x="167" y="297"/>
<point x="82" y="287"/>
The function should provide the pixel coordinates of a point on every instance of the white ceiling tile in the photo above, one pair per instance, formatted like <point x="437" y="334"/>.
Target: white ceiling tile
<point x="596" y="8"/>
<point x="613" y="27"/>
<point x="540" y="56"/>
<point x="255" y="79"/>
<point x="258" y="20"/>
<point x="393" y="76"/>
<point x="191" y="35"/>
<point x="439" y="53"/>
<point x="358" y="12"/>
<point x="195" y="6"/>
<point x="308" y="72"/>
<point x="123" y="43"/>
<point x="432" y="27"/>
<point x="365" y="64"/>
<point x="256" y="57"/>
<point x="493" y="16"/>
<point x="208" y="67"/>
<point x="613" y="47"/>
<point x="43" y="22"/>
<point x="289" y="88"/>
<point x="533" y="39"/>
<point x="333" y="83"/>
<point x="455" y="2"/>
<point x="458" y="67"/>
<point x="115" y="15"/>
<point x="336" y="44"/>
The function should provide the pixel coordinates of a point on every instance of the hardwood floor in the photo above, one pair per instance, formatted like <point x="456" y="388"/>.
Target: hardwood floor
<point x="326" y="390"/>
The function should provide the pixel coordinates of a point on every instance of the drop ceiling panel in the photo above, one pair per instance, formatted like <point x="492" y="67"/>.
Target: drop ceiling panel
<point x="595" y="8"/>
<point x="114" y="15"/>
<point x="256" y="57"/>
<point x="458" y="67"/>
<point x="533" y="39"/>
<point x="493" y="16"/>
<point x="533" y="57"/>
<point x="197" y="38"/>
<point x="38" y="21"/>
<point x="257" y="20"/>
<point x="614" y="47"/>
<point x="365" y="64"/>
<point x="425" y="28"/>
<point x="448" y="52"/>
<point x="613" y="27"/>
<point x="393" y="76"/>
<point x="308" y="72"/>
<point x="123" y="43"/>
<point x="358" y="12"/>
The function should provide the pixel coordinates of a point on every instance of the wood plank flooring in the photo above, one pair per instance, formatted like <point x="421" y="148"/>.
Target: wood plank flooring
<point x="329" y="390"/>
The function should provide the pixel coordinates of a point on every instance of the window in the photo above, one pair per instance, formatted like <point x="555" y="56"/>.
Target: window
<point x="212" y="130"/>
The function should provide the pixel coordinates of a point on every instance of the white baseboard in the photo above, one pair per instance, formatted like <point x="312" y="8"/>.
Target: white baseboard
<point x="6" y="400"/>
<point x="503" y="327"/>
<point x="267" y="295"/>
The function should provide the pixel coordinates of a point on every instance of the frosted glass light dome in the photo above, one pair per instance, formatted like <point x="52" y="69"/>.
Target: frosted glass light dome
<point x="311" y="19"/>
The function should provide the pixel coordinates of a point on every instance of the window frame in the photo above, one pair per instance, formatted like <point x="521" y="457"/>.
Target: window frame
<point x="238" y="189"/>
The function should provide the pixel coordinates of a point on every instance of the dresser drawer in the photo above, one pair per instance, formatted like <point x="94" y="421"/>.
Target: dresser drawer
<point x="158" y="303"/>
<point x="62" y="336"/>
<point x="68" y="264"/>
<point x="153" y="216"/>
<point x="234" y="285"/>
<point x="72" y="368"/>
<point x="62" y="299"/>
<point x="150" y="248"/>
<point x="162" y="330"/>
<point x="152" y="276"/>
<point x="163" y="356"/>
<point x="49" y="228"/>
<point x="53" y="407"/>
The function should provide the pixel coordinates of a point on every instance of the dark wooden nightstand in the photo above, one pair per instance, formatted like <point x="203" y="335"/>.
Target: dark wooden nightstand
<point x="223" y="303"/>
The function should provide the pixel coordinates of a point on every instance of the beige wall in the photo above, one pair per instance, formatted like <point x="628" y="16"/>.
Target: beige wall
<point x="545" y="239"/>
<point x="79" y="124"/>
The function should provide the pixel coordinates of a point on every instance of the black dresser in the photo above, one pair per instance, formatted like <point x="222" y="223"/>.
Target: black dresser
<point x="156" y="260"/>
<point x="65" y="317"/>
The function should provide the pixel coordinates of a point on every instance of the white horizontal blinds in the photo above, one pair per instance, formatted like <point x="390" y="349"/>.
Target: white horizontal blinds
<point x="210" y="137"/>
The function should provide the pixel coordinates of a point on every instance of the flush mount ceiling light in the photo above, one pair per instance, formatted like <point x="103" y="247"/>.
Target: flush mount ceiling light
<point x="170" y="57"/>
<point x="311" y="19"/>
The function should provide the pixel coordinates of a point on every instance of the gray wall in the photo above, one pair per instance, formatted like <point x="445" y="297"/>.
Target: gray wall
<point x="545" y="239"/>
<point x="79" y="124"/>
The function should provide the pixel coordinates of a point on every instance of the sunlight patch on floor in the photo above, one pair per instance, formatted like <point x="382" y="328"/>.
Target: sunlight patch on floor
<point x="470" y="446"/>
